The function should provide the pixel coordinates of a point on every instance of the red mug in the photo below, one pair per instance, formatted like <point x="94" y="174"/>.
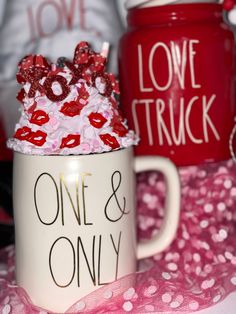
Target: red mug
<point x="177" y="71"/>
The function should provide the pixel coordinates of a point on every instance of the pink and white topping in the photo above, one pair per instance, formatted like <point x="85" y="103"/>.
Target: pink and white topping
<point x="69" y="108"/>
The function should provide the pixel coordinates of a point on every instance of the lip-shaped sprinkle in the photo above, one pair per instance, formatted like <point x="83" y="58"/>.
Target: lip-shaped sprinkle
<point x="70" y="141"/>
<point x="37" y="138"/>
<point x="71" y="108"/>
<point x="22" y="133"/>
<point x="110" y="140"/>
<point x="120" y="129"/>
<point x="39" y="117"/>
<point x="97" y="120"/>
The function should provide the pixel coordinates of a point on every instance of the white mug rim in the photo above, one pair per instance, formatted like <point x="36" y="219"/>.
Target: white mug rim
<point x="110" y="152"/>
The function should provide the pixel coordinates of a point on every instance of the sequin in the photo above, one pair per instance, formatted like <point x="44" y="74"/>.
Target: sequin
<point x="166" y="297"/>
<point x="174" y="304"/>
<point x="193" y="305"/>
<point x="207" y="284"/>
<point x="223" y="234"/>
<point x="208" y="208"/>
<point x="233" y="281"/>
<point x="149" y="308"/>
<point x="228" y="255"/>
<point x="196" y="257"/>
<point x="204" y="224"/>
<point x="6" y="309"/>
<point x="221" y="206"/>
<point x="221" y="258"/>
<point x="128" y="295"/>
<point x="179" y="299"/>
<point x="172" y="266"/>
<point x="166" y="275"/>
<point x="80" y="306"/>
<point x="127" y="306"/>
<point x="107" y="294"/>
<point x="217" y="298"/>
<point x="227" y="184"/>
<point x="150" y="291"/>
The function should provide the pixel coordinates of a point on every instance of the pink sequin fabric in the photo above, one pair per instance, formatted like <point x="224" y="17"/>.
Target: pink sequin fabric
<point x="197" y="271"/>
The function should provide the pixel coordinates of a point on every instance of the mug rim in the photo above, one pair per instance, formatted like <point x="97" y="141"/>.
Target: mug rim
<point x="76" y="156"/>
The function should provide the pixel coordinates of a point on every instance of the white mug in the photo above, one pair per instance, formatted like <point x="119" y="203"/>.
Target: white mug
<point x="75" y="222"/>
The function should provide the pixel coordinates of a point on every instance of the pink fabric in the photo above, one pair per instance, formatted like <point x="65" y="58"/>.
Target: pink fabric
<point x="195" y="272"/>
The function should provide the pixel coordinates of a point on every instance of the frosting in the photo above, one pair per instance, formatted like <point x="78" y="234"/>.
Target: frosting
<point x="69" y="107"/>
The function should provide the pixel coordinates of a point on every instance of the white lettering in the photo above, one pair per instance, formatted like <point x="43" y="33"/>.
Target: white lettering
<point x="207" y="120"/>
<point x="192" y="53"/>
<point x="180" y="139"/>
<point x="179" y="61"/>
<point x="160" y="107"/>
<point x="140" y="71"/>
<point x="188" y="128"/>
<point x="172" y="128"/>
<point x="151" y="67"/>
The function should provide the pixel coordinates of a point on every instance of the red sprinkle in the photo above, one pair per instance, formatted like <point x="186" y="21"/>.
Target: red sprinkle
<point x="114" y="83"/>
<point x="23" y="133"/>
<point x="32" y="108"/>
<point x="120" y="129"/>
<point x="97" y="120"/>
<point x="70" y="141"/>
<point x="109" y="140"/>
<point x="71" y="108"/>
<point x="21" y="95"/>
<point x="39" y="117"/>
<point x="37" y="138"/>
<point x="83" y="92"/>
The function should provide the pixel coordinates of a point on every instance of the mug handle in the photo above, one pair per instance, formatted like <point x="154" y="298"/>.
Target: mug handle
<point x="162" y="240"/>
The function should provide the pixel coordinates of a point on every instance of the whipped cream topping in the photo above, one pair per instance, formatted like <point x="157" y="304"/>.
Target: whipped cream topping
<point x="63" y="113"/>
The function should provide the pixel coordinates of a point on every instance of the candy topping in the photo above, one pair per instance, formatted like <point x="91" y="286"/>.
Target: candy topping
<point x="69" y="107"/>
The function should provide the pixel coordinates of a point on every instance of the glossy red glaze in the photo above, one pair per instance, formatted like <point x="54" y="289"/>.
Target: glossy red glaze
<point x="177" y="70"/>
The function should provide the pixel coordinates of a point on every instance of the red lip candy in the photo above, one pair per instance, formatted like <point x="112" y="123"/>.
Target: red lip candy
<point x="70" y="141"/>
<point x="39" y="117"/>
<point x="97" y="120"/>
<point x="110" y="140"/>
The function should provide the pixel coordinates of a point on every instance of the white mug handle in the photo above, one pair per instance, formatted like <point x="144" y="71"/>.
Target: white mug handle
<point x="172" y="205"/>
